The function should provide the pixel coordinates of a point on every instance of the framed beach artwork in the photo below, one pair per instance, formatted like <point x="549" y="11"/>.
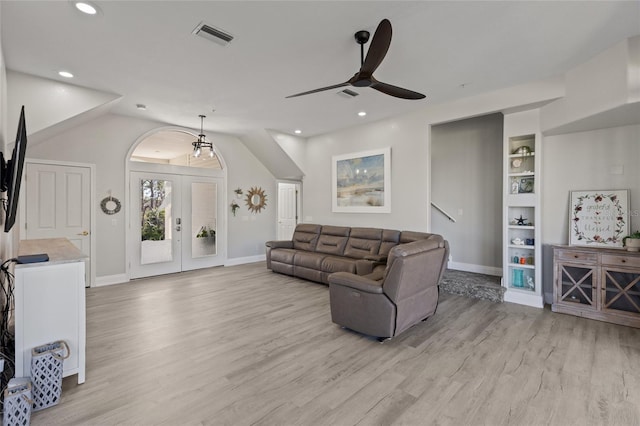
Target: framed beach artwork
<point x="598" y="218"/>
<point x="362" y="182"/>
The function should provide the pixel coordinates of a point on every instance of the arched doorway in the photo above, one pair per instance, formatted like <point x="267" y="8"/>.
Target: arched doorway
<point x="177" y="219"/>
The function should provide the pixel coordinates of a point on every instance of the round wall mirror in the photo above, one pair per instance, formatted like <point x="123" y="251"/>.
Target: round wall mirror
<point x="256" y="199"/>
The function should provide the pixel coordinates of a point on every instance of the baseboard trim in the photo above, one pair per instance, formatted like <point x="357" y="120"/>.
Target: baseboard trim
<point x="515" y="296"/>
<point x="111" y="279"/>
<point x="478" y="269"/>
<point x="243" y="260"/>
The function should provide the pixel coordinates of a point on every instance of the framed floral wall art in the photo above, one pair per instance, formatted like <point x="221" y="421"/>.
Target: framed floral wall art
<point x="598" y="218"/>
<point x="362" y="182"/>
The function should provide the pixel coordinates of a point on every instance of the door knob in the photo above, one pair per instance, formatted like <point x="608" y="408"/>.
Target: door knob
<point x="84" y="233"/>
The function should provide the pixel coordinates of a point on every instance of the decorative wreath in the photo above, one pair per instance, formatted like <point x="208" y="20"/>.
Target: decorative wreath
<point x="110" y="205"/>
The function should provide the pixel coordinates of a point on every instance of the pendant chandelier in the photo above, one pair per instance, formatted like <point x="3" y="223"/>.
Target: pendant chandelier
<point x="202" y="142"/>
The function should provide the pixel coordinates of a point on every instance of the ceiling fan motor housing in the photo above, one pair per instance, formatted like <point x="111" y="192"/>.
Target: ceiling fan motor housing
<point x="362" y="36"/>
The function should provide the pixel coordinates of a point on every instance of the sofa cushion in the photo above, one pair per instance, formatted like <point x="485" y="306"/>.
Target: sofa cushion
<point x="308" y="259"/>
<point x="283" y="255"/>
<point x="390" y="239"/>
<point x="333" y="240"/>
<point x="331" y="264"/>
<point x="363" y="242"/>
<point x="305" y="236"/>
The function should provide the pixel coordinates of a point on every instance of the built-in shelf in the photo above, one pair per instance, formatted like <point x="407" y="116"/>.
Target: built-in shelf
<point x="521" y="201"/>
<point x="521" y="227"/>
<point x="520" y="265"/>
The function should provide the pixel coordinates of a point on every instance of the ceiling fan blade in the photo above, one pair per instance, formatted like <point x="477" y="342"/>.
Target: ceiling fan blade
<point x="319" y="90"/>
<point x="378" y="48"/>
<point x="396" y="91"/>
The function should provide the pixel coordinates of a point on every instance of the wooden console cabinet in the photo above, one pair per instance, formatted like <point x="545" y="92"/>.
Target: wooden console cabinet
<point x="597" y="283"/>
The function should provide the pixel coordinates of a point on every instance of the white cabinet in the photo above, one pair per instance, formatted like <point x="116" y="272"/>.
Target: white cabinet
<point x="50" y="304"/>
<point x="522" y="255"/>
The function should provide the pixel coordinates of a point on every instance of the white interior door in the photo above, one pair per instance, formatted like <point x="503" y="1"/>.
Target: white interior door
<point x="58" y="205"/>
<point x="287" y="209"/>
<point x="175" y="223"/>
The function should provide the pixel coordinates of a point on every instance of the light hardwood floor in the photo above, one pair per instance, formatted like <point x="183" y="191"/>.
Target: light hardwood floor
<point x="242" y="345"/>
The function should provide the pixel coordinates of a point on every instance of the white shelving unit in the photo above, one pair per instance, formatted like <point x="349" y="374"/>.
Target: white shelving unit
<point x="522" y="254"/>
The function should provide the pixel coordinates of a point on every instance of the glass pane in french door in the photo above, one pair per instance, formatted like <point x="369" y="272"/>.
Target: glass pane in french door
<point x="204" y="208"/>
<point x="156" y="221"/>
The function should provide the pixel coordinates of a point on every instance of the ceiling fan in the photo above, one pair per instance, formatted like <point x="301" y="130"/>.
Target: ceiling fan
<point x="376" y="53"/>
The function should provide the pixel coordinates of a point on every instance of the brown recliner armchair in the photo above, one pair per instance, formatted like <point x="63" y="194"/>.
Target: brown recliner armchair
<point x="406" y="294"/>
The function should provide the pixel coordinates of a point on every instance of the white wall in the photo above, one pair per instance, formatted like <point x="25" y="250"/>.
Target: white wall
<point x="407" y="137"/>
<point x="105" y="142"/>
<point x="247" y="231"/>
<point x="50" y="104"/>
<point x="602" y="92"/>
<point x="584" y="161"/>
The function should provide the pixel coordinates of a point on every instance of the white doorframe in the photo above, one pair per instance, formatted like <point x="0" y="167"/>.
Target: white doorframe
<point x="172" y="169"/>
<point x="92" y="203"/>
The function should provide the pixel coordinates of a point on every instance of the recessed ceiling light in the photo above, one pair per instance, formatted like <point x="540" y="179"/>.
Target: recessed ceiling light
<point x="362" y="113"/>
<point x="141" y="106"/>
<point x="86" y="7"/>
<point x="297" y="131"/>
<point x="65" y="74"/>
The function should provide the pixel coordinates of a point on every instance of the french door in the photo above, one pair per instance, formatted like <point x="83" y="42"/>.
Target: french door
<point x="175" y="223"/>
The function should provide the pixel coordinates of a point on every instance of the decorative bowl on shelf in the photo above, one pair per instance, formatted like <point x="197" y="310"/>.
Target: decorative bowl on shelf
<point x="517" y="241"/>
<point x="522" y="150"/>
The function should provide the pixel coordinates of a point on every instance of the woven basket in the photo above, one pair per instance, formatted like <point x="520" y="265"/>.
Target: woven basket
<point x="17" y="403"/>
<point x="46" y="373"/>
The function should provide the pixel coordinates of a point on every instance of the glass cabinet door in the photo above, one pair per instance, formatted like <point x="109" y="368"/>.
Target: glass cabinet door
<point x="621" y="290"/>
<point x="577" y="285"/>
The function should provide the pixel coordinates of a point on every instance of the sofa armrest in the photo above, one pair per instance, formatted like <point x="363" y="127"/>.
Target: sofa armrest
<point x="376" y="258"/>
<point x="356" y="282"/>
<point x="279" y="244"/>
<point x="365" y="266"/>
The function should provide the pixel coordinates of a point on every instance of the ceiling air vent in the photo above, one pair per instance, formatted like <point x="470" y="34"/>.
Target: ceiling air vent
<point x="213" y="34"/>
<point x="347" y="93"/>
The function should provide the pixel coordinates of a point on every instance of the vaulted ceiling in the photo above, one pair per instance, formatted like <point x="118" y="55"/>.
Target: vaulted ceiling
<point x="146" y="52"/>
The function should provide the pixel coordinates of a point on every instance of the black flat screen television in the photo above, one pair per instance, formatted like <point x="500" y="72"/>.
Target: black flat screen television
<point x="11" y="173"/>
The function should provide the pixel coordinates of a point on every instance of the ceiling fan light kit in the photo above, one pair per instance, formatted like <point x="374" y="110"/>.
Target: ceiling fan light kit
<point x="376" y="53"/>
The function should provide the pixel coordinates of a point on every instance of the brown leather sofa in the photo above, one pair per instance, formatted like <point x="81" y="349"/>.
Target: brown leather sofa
<point x="381" y="281"/>
<point x="406" y="294"/>
<point x="315" y="251"/>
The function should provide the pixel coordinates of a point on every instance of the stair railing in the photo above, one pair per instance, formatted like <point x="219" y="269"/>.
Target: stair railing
<point x="441" y="210"/>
